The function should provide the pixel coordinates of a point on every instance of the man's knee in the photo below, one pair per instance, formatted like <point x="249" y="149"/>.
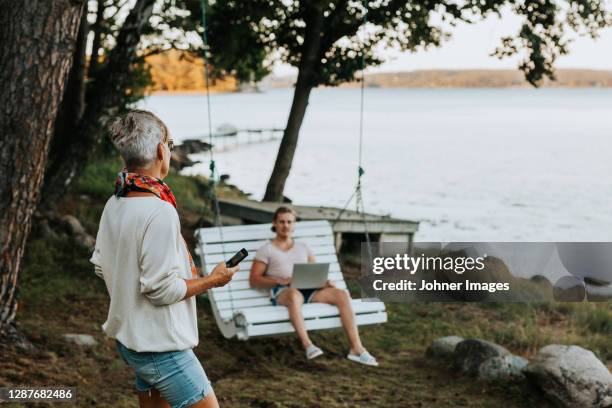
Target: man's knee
<point x="342" y="297"/>
<point x="293" y="297"/>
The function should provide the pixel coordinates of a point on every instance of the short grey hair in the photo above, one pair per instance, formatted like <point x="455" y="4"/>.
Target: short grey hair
<point x="136" y="136"/>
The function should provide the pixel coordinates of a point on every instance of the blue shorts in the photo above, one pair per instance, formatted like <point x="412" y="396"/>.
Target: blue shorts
<point x="275" y="291"/>
<point x="177" y="375"/>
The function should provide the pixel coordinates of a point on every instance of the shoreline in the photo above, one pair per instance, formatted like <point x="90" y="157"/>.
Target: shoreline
<point x="356" y="86"/>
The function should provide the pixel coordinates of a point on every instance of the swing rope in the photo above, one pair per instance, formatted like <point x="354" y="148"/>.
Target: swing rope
<point x="358" y="191"/>
<point x="213" y="168"/>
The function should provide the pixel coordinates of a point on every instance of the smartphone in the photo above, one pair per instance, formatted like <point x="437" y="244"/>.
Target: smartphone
<point x="236" y="259"/>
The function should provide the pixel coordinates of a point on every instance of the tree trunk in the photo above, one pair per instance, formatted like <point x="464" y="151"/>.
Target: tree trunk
<point x="37" y="41"/>
<point x="105" y="96"/>
<point x="97" y="38"/>
<point x="306" y="80"/>
<point x="68" y="116"/>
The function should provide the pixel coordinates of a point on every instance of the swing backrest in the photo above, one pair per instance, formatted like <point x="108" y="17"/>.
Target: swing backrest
<point x="215" y="246"/>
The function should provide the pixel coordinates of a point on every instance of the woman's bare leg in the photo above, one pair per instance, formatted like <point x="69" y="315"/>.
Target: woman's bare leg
<point x="210" y="401"/>
<point x="152" y="399"/>
<point x="341" y="299"/>
<point x="293" y="299"/>
<point x="155" y="400"/>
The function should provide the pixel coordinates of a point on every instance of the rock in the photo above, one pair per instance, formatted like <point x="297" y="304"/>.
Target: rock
<point x="179" y="161"/>
<point x="87" y="241"/>
<point x="587" y="260"/>
<point x="81" y="339"/>
<point x="444" y="347"/>
<point x="76" y="230"/>
<point x="506" y="368"/>
<point x="596" y="292"/>
<point x="571" y="376"/>
<point x="10" y="334"/>
<point x="191" y="146"/>
<point x="471" y="353"/>
<point x="73" y="225"/>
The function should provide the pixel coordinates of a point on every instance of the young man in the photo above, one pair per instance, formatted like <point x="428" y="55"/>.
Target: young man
<point x="273" y="267"/>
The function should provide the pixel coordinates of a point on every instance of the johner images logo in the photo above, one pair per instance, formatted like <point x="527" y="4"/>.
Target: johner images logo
<point x="487" y="271"/>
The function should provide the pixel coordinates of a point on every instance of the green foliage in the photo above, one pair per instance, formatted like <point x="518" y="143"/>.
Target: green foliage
<point x="250" y="36"/>
<point x="139" y="81"/>
<point x="98" y="178"/>
<point x="191" y="192"/>
<point x="237" y="47"/>
<point x="173" y="25"/>
<point x="544" y="33"/>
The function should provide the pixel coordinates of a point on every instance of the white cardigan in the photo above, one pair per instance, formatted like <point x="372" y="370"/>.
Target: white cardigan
<point x="141" y="256"/>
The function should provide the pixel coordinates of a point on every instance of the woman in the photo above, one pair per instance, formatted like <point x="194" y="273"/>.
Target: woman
<point x="149" y="273"/>
<point x="272" y="268"/>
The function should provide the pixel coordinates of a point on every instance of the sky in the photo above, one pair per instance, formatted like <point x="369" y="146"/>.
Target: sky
<point x="470" y="46"/>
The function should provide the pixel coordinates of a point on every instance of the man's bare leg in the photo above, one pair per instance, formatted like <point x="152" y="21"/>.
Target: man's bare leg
<point x="293" y="299"/>
<point x="341" y="299"/>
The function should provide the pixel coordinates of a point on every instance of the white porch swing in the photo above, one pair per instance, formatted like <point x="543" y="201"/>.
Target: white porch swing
<point x="244" y="312"/>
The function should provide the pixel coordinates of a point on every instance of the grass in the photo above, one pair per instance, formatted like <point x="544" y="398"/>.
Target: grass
<point x="59" y="294"/>
<point x="264" y="372"/>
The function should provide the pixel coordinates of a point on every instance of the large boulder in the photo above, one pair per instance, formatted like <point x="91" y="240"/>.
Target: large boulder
<point x="503" y="368"/>
<point x="471" y="353"/>
<point x="444" y="347"/>
<point x="571" y="376"/>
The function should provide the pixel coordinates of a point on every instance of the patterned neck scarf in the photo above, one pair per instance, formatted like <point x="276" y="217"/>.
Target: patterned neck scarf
<point x="127" y="182"/>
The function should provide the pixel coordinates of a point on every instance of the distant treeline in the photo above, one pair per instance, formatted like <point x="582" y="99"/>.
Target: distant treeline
<point x="477" y="78"/>
<point x="176" y="71"/>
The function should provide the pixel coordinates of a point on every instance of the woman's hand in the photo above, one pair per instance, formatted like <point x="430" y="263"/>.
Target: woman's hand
<point x="221" y="275"/>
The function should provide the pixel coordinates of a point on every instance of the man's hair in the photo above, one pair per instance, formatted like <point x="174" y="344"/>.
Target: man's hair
<point x="282" y="210"/>
<point x="136" y="136"/>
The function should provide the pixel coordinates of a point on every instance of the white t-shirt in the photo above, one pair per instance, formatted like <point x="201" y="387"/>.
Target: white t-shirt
<point x="142" y="258"/>
<point x="280" y="263"/>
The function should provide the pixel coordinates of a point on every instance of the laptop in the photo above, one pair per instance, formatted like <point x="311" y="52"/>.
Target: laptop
<point x="309" y="275"/>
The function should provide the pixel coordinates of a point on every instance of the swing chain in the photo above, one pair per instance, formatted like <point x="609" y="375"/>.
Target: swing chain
<point x="212" y="166"/>
<point x="358" y="193"/>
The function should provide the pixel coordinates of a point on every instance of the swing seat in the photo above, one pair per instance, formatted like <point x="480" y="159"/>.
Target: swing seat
<point x="241" y="311"/>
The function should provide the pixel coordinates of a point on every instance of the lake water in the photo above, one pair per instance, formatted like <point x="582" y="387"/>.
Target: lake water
<point x="471" y="165"/>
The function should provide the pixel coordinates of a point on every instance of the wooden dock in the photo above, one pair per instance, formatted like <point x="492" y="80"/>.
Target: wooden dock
<point x="381" y="227"/>
<point x="224" y="140"/>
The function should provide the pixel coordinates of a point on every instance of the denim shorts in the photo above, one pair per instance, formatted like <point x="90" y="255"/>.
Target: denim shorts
<point x="275" y="291"/>
<point x="177" y="375"/>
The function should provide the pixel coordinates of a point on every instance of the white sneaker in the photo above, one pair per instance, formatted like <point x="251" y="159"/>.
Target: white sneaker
<point x="313" y="351"/>
<point x="364" y="358"/>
